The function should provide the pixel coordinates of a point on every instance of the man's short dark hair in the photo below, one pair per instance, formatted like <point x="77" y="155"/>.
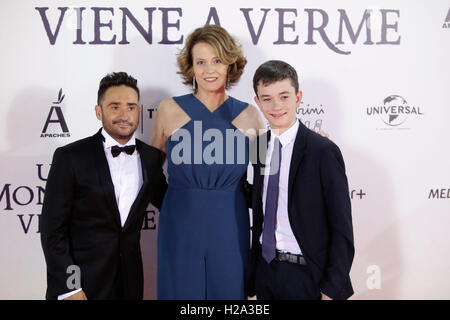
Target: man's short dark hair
<point x="273" y="71"/>
<point x="113" y="80"/>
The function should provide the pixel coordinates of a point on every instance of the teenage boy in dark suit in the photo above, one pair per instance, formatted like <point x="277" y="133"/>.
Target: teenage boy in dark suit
<point x="302" y="235"/>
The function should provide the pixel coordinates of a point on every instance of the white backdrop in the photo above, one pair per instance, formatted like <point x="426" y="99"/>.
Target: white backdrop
<point x="374" y="75"/>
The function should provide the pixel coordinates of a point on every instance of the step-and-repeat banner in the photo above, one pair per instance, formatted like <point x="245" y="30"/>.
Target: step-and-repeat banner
<point x="374" y="75"/>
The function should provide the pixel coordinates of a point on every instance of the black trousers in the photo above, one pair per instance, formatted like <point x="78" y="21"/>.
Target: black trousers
<point x="285" y="281"/>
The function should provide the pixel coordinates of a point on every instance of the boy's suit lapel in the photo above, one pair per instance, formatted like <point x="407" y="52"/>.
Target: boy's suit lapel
<point x="297" y="156"/>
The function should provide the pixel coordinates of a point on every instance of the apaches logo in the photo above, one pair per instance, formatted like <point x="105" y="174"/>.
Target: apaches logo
<point x="60" y="131"/>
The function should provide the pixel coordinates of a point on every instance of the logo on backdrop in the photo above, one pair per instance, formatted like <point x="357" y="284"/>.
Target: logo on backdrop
<point x="311" y="116"/>
<point x="335" y="29"/>
<point x="14" y="197"/>
<point x="394" y="112"/>
<point x="147" y="114"/>
<point x="22" y="198"/>
<point x="357" y="194"/>
<point x="439" y="193"/>
<point x="55" y="126"/>
<point x="446" y="24"/>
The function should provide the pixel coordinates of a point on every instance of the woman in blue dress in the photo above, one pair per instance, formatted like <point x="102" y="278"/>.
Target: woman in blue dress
<point x="203" y="235"/>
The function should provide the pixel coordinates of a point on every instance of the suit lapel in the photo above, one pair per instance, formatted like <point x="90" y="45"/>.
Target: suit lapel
<point x="145" y="179"/>
<point x="264" y="144"/>
<point x="258" y="183"/>
<point x="297" y="156"/>
<point x="105" y="177"/>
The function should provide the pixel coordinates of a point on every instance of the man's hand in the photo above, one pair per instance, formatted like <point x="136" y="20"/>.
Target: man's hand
<point x="77" y="296"/>
<point x="325" y="297"/>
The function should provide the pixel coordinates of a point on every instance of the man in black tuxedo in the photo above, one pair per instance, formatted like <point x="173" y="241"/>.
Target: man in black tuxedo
<point x="97" y="191"/>
<point x="302" y="235"/>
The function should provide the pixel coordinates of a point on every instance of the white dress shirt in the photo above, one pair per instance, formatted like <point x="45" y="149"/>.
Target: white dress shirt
<point x="283" y="232"/>
<point x="126" y="175"/>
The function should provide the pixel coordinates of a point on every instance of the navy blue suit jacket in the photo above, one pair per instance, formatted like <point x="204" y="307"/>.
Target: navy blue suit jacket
<point x="319" y="211"/>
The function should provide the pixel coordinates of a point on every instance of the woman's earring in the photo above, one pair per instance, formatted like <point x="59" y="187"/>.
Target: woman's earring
<point x="228" y="83"/>
<point x="193" y="83"/>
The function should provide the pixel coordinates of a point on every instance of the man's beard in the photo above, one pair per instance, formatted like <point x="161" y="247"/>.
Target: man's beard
<point x="116" y="135"/>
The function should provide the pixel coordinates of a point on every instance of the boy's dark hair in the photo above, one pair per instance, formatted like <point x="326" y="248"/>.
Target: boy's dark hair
<point x="273" y="71"/>
<point x="113" y="80"/>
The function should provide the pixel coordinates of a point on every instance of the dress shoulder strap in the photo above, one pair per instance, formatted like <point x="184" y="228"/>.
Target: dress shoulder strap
<point x="236" y="107"/>
<point x="189" y="104"/>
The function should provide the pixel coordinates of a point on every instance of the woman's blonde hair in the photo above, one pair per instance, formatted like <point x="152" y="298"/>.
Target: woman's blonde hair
<point x="226" y="47"/>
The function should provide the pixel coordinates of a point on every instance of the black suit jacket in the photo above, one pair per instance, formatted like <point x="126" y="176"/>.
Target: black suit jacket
<point x="80" y="222"/>
<point x="318" y="208"/>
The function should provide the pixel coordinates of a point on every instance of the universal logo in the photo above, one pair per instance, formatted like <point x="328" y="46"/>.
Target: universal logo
<point x="394" y="112"/>
<point x="311" y="116"/>
<point x="56" y="131"/>
<point x="446" y="24"/>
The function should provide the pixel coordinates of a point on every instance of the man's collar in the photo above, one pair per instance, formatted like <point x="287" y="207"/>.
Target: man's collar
<point x="288" y="136"/>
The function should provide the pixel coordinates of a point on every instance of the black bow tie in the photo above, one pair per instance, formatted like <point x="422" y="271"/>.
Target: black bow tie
<point x="116" y="150"/>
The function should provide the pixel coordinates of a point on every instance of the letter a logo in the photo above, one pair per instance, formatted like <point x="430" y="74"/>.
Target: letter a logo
<point x="60" y="118"/>
<point x="446" y="24"/>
